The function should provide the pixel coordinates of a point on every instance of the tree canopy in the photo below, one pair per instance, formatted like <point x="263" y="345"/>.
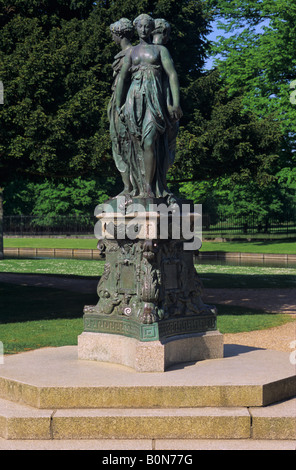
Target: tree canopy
<point x="256" y="56"/>
<point x="55" y="63"/>
<point x="238" y="125"/>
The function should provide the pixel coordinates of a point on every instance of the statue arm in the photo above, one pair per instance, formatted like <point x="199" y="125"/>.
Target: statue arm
<point x="168" y="65"/>
<point x="123" y="78"/>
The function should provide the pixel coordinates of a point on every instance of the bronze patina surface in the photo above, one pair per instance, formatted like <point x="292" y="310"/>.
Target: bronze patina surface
<point x="150" y="289"/>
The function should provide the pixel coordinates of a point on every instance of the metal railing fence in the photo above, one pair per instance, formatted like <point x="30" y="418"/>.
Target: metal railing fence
<point x="212" y="225"/>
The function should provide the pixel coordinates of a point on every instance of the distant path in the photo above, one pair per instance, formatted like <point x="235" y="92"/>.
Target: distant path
<point x="269" y="299"/>
<point x="279" y="338"/>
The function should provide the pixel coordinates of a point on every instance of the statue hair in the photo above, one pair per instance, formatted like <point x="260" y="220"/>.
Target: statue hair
<point x="144" y="17"/>
<point x="122" y="28"/>
<point x="161" y="25"/>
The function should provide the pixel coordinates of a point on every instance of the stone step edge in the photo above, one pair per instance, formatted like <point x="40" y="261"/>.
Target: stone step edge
<point x="149" y="447"/>
<point x="239" y="395"/>
<point x="273" y="422"/>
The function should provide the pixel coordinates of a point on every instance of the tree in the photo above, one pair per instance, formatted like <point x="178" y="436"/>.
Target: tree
<point x="250" y="126"/>
<point x="65" y="197"/>
<point x="221" y="139"/>
<point x="56" y="69"/>
<point x="223" y="197"/>
<point x="228" y="158"/>
<point x="55" y="63"/>
<point x="260" y="62"/>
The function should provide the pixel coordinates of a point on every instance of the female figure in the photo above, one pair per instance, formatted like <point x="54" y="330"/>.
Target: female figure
<point x="144" y="109"/>
<point x="122" y="32"/>
<point x="161" y="35"/>
<point x="161" y="32"/>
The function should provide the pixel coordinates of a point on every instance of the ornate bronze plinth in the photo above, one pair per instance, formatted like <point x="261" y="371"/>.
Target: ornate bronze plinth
<point x="150" y="289"/>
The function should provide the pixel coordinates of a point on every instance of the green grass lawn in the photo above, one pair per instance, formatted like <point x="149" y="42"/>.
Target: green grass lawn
<point x="24" y="336"/>
<point x="234" y="319"/>
<point x="265" y="246"/>
<point x="34" y="317"/>
<point x="70" y="267"/>
<point x="71" y="243"/>
<point x="213" y="276"/>
<point x="20" y="337"/>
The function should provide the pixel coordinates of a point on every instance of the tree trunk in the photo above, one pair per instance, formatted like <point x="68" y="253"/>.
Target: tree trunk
<point x="1" y="224"/>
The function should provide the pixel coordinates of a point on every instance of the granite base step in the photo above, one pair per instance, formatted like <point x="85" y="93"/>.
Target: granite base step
<point x="50" y="395"/>
<point x="54" y="378"/>
<point x="274" y="422"/>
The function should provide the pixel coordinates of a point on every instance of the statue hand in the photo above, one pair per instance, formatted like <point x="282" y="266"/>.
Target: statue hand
<point x="175" y="113"/>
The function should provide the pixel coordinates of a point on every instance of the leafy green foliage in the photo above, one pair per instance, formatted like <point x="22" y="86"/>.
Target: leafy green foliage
<point x="55" y="63"/>
<point x="65" y="197"/>
<point x="221" y="139"/>
<point x="55" y="89"/>
<point x="228" y="198"/>
<point x="260" y="63"/>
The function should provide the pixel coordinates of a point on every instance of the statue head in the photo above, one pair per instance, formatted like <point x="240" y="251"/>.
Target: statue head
<point x="122" y="28"/>
<point x="161" y="32"/>
<point x="144" y="25"/>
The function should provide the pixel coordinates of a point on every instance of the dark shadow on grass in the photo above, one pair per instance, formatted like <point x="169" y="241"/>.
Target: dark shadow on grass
<point x="26" y="303"/>
<point x="239" y="310"/>
<point x="37" y="296"/>
<point x="45" y="276"/>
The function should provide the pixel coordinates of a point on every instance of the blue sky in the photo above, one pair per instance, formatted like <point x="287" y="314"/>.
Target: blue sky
<point x="218" y="32"/>
<point x="212" y="37"/>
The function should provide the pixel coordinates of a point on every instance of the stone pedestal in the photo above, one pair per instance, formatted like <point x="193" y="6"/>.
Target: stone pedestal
<point x="150" y="312"/>
<point x="150" y="356"/>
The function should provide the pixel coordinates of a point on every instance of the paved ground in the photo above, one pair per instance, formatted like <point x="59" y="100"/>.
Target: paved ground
<point x="271" y="300"/>
<point x="281" y="338"/>
<point x="148" y="446"/>
<point x="252" y="366"/>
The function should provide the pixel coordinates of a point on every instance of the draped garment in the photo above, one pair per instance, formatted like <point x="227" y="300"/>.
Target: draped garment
<point x="118" y="131"/>
<point x="145" y="111"/>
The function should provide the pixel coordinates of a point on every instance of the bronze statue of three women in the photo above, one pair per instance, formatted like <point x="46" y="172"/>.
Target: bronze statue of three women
<point x="145" y="107"/>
